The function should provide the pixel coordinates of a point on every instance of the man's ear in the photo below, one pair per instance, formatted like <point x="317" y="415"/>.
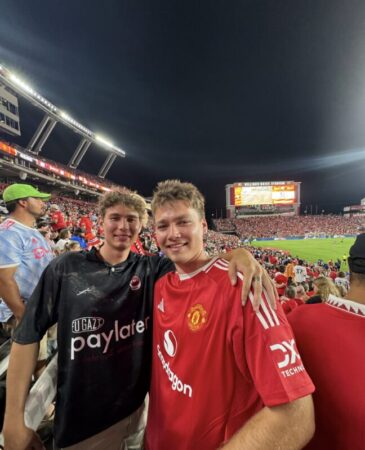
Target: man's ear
<point x="205" y="226"/>
<point x="22" y="202"/>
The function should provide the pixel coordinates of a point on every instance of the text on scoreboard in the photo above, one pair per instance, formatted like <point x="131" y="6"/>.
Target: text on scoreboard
<point x="264" y="195"/>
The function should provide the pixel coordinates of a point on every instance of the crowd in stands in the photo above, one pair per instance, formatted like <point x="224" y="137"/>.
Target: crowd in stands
<point x="299" y="282"/>
<point x="218" y="242"/>
<point x="283" y="226"/>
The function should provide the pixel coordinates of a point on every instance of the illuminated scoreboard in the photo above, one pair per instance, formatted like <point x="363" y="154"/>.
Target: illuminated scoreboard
<point x="263" y="197"/>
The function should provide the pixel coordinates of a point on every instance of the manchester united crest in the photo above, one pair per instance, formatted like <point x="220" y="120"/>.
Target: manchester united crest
<point x="197" y="317"/>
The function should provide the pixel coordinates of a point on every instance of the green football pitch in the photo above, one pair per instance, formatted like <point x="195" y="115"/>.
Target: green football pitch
<point x="313" y="249"/>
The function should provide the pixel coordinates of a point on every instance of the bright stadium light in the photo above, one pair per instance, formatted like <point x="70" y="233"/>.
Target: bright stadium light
<point x="64" y="115"/>
<point x="29" y="90"/>
<point x="73" y="122"/>
<point x="22" y="84"/>
<point x="24" y="88"/>
<point x="104" y="141"/>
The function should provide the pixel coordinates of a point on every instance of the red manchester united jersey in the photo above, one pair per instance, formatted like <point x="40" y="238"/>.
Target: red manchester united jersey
<point x="215" y="363"/>
<point x="331" y="338"/>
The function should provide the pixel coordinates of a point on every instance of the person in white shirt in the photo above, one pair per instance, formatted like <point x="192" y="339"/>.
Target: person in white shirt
<point x="300" y="272"/>
<point x="341" y="280"/>
<point x="64" y="238"/>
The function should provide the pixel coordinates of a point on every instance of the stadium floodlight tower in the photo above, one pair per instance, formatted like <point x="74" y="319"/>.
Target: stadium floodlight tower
<point x="52" y="116"/>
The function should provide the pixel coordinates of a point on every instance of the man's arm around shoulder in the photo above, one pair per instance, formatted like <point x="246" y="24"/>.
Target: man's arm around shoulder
<point x="289" y="426"/>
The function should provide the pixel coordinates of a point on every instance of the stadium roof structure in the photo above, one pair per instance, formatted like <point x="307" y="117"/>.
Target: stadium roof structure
<point x="16" y="161"/>
<point x="52" y="116"/>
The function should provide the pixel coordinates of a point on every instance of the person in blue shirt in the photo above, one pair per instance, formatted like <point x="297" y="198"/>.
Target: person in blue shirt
<point x="78" y="236"/>
<point x="24" y="252"/>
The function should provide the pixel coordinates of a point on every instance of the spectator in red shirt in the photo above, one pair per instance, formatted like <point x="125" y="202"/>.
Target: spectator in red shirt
<point x="333" y="274"/>
<point x="273" y="260"/>
<point x="310" y="273"/>
<point x="290" y="302"/>
<point x="85" y="223"/>
<point x="281" y="281"/>
<point x="57" y="219"/>
<point x="68" y="221"/>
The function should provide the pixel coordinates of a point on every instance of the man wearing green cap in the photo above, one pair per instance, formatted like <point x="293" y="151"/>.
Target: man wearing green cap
<point x="24" y="253"/>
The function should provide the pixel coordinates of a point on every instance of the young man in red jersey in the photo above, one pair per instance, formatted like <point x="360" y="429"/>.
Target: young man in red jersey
<point x="223" y="374"/>
<point x="331" y="338"/>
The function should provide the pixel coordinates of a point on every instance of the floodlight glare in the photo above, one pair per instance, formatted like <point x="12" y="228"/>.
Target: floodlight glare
<point x="65" y="116"/>
<point x="22" y="84"/>
<point x="104" y="141"/>
<point x="19" y="85"/>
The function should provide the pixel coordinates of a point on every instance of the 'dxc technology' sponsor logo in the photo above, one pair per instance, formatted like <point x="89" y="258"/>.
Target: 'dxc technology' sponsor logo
<point x="170" y="343"/>
<point x="290" y="357"/>
<point x="87" y="324"/>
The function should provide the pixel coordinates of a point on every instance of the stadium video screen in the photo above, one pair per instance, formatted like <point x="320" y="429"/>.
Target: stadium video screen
<point x="264" y="195"/>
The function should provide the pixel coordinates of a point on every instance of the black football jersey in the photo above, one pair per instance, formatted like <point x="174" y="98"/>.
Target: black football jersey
<point x="104" y="316"/>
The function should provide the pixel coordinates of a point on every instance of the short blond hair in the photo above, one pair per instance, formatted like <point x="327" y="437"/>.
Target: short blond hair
<point x="172" y="190"/>
<point x="127" y="198"/>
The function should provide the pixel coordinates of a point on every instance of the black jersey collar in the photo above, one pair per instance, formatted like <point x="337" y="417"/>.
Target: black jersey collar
<point x="94" y="255"/>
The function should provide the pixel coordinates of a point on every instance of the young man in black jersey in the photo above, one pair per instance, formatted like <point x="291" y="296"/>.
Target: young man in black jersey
<point x="102" y="302"/>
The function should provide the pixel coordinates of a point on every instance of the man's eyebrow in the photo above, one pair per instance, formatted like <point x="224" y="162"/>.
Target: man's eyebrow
<point x="134" y="215"/>
<point x="182" y="217"/>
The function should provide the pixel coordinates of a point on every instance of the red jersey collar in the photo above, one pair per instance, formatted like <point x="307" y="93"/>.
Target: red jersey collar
<point x="205" y="268"/>
<point x="346" y="305"/>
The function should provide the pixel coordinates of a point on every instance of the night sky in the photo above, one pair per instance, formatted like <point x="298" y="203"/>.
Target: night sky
<point x="210" y="92"/>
